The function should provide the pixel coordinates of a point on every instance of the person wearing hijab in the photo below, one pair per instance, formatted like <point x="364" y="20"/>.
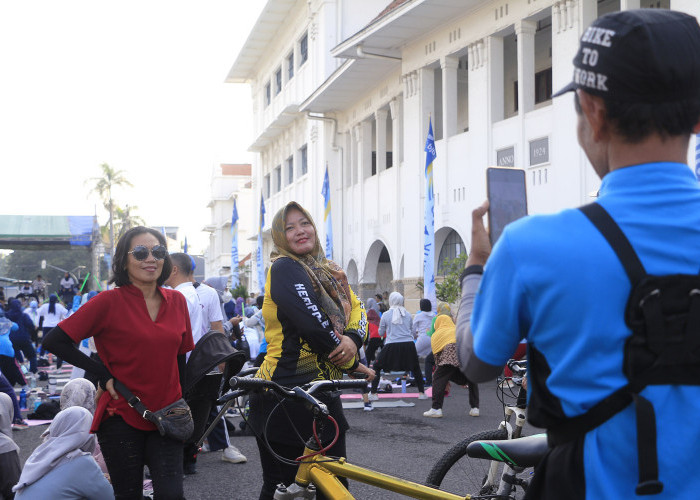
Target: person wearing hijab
<point x="62" y="467"/>
<point x="22" y="337"/>
<point x="314" y="326"/>
<point x="81" y="392"/>
<point x="32" y="312"/>
<point x="399" y="351"/>
<point x="240" y="304"/>
<point x="8" y="363"/>
<point x="444" y="346"/>
<point x="372" y="304"/>
<point x="422" y="322"/>
<point x="442" y="309"/>
<point x="9" y="451"/>
<point x="375" y="340"/>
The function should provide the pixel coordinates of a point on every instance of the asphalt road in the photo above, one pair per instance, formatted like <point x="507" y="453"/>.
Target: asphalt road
<point x="396" y="441"/>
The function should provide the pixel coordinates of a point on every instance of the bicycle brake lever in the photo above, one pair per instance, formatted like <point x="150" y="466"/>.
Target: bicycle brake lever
<point x="314" y="404"/>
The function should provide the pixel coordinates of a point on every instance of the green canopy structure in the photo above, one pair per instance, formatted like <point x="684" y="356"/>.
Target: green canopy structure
<point x="32" y="232"/>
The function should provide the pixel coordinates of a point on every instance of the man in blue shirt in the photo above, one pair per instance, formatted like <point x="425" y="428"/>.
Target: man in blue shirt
<point x="556" y="281"/>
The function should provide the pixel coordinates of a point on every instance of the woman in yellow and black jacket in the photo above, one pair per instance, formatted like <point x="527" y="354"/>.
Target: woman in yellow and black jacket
<point x="314" y="327"/>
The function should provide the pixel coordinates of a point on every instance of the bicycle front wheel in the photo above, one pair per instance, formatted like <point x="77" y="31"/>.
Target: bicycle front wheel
<point x="458" y="473"/>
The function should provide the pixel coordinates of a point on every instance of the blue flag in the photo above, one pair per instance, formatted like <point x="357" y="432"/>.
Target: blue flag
<point x="234" y="247"/>
<point x="259" y="250"/>
<point x="326" y="192"/>
<point x="697" y="157"/>
<point x="185" y="244"/>
<point x="429" y="227"/>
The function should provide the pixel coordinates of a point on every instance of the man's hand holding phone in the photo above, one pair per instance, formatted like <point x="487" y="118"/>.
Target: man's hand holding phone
<point x="481" y="245"/>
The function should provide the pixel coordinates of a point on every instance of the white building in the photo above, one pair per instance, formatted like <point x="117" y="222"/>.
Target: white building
<point x="229" y="182"/>
<point x="484" y="71"/>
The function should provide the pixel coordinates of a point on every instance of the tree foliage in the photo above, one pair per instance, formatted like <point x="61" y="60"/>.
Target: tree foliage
<point x="449" y="289"/>
<point x="103" y="186"/>
<point x="240" y="291"/>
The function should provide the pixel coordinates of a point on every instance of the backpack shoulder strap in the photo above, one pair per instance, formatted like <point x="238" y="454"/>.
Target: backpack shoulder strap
<point x="618" y="241"/>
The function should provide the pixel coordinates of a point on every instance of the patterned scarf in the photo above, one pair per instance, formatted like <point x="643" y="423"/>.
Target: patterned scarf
<point x="328" y="278"/>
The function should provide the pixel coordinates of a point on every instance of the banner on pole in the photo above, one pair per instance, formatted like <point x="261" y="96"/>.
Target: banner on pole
<point x="326" y="192"/>
<point x="259" y="251"/>
<point x="429" y="225"/>
<point x="234" y="247"/>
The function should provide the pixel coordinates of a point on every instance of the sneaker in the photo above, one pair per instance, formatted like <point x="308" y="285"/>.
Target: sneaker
<point x="204" y="448"/>
<point x="231" y="454"/>
<point x="373" y="397"/>
<point x="474" y="412"/>
<point x="433" y="413"/>
<point x="422" y="396"/>
<point x="368" y="406"/>
<point x="189" y="469"/>
<point x="20" y="425"/>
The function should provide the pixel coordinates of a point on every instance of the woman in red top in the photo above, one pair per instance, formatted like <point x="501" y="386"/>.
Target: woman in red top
<point x="375" y="341"/>
<point x="142" y="333"/>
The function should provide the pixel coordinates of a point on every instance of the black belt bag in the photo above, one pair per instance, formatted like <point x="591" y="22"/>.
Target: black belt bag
<point x="174" y="421"/>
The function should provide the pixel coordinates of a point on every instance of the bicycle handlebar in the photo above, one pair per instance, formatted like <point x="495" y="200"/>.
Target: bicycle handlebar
<point x="518" y="367"/>
<point x="303" y="394"/>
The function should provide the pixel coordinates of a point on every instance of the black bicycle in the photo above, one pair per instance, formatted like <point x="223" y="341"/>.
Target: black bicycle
<point x="496" y="464"/>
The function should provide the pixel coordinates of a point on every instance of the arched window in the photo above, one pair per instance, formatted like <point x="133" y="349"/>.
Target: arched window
<point x="451" y="248"/>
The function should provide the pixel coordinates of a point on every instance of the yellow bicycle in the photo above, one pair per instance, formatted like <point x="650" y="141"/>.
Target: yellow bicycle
<point x="318" y="471"/>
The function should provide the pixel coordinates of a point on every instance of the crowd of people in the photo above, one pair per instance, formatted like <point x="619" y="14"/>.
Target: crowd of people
<point x="634" y="123"/>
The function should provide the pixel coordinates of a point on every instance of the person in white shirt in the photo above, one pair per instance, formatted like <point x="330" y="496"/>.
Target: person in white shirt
<point x="67" y="288"/>
<point x="50" y="314"/>
<point x="179" y="280"/>
<point x="39" y="287"/>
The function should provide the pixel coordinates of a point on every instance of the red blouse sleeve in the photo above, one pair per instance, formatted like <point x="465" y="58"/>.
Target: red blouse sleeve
<point x="89" y="320"/>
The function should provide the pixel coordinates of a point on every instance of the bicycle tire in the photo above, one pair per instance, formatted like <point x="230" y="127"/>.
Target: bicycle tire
<point x="460" y="474"/>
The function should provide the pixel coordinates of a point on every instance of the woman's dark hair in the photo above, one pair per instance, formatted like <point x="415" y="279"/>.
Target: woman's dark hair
<point x="259" y="301"/>
<point x="425" y="305"/>
<point x="379" y="296"/>
<point x="120" y="277"/>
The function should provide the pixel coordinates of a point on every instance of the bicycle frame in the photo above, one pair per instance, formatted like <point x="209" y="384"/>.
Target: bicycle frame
<point x="493" y="477"/>
<point x="322" y="472"/>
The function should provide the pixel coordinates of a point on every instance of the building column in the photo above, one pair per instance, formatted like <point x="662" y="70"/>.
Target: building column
<point x="629" y="4"/>
<point x="380" y="125"/>
<point x="365" y="150"/>
<point x="525" y="32"/>
<point x="356" y="153"/>
<point x="449" y="67"/>
<point x="497" y="93"/>
<point x="394" y="108"/>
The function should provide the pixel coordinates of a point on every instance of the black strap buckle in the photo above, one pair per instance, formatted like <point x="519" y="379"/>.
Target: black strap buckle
<point x="134" y="401"/>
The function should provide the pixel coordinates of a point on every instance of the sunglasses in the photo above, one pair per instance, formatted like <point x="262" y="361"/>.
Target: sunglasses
<point x="141" y="252"/>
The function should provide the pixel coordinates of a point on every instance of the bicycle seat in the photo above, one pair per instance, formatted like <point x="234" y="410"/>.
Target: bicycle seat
<point x="522" y="452"/>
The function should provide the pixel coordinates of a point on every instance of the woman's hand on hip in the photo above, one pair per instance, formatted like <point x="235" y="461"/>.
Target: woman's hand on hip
<point x="110" y="388"/>
<point x="345" y="352"/>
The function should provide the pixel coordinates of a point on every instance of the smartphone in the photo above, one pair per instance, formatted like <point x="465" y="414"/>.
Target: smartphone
<point x="507" y="198"/>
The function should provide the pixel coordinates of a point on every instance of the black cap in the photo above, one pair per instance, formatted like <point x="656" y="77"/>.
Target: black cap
<point x="643" y="55"/>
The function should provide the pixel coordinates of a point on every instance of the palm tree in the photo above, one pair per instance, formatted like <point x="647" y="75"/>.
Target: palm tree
<point x="103" y="187"/>
<point x="124" y="219"/>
